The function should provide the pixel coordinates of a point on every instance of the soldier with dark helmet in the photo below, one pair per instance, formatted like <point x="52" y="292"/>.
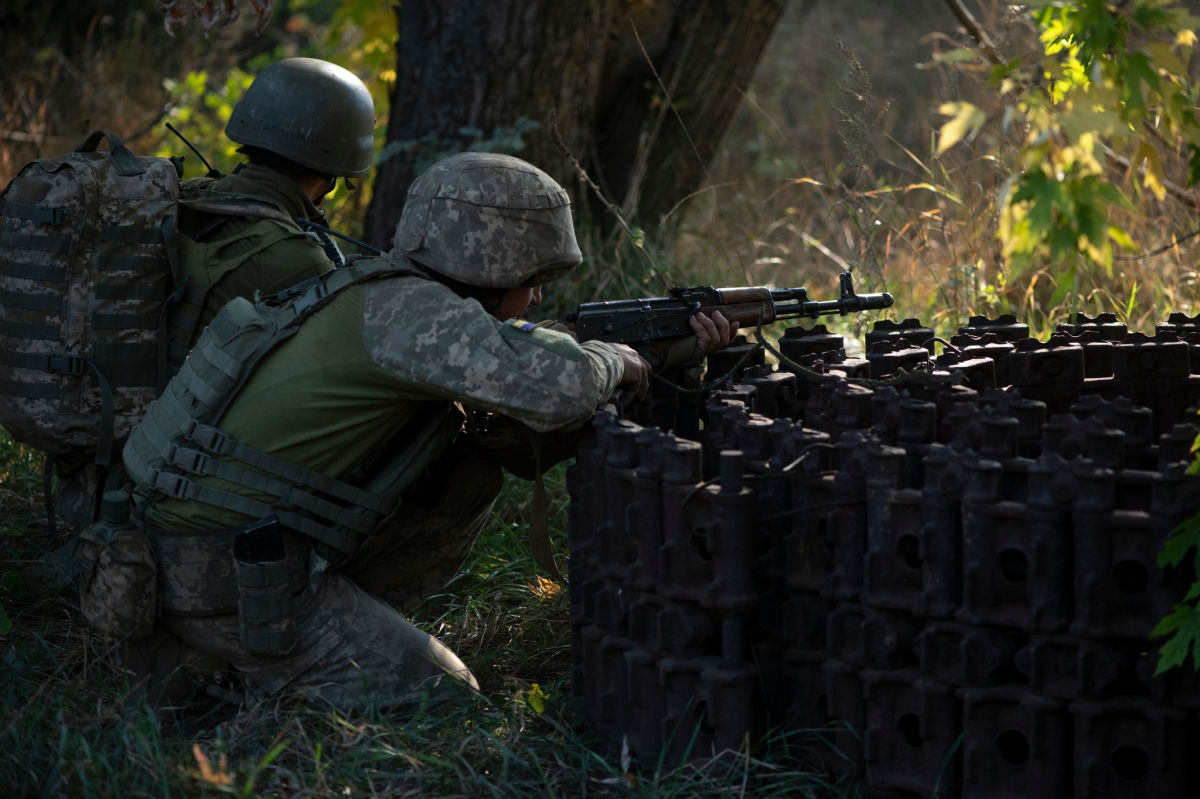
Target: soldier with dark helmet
<point x="301" y="124"/>
<point x="337" y="461"/>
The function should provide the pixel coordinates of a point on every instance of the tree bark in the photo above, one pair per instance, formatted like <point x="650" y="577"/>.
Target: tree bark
<point x="468" y="72"/>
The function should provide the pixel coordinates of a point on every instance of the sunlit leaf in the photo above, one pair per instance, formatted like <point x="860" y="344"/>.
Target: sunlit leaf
<point x="957" y="56"/>
<point x="1152" y="173"/>
<point x="966" y="120"/>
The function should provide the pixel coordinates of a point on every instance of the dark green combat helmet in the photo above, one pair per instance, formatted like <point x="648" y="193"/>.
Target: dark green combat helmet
<point x="309" y="111"/>
<point x="488" y="220"/>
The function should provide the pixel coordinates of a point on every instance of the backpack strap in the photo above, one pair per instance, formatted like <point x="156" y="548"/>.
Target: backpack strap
<point x="125" y="162"/>
<point x="173" y="446"/>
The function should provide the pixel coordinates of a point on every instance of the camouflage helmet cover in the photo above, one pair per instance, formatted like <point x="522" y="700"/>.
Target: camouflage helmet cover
<point x="310" y="111"/>
<point x="488" y="220"/>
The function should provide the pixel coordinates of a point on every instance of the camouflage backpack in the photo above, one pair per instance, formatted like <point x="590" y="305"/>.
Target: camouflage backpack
<point x="88" y="272"/>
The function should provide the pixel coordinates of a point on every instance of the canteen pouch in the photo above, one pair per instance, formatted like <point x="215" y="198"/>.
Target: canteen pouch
<point x="118" y="580"/>
<point x="266" y="613"/>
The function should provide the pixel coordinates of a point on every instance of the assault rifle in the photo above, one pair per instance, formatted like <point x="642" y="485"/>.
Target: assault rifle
<point x="640" y="321"/>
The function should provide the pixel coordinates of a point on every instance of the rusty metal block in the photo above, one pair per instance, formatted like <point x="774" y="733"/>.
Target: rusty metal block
<point x="805" y="619"/>
<point x="804" y="344"/>
<point x="709" y="707"/>
<point x="1157" y="373"/>
<point x="909" y="333"/>
<point x="616" y="541"/>
<point x="888" y="358"/>
<point x="1053" y="375"/>
<point x="851" y="408"/>
<point x="777" y="393"/>
<point x="647" y="705"/>
<point x="872" y="638"/>
<point x="807" y="694"/>
<point x="1178" y="687"/>
<point x="1129" y="747"/>
<point x="810" y="546"/>
<point x="964" y="655"/>
<point x="1120" y="591"/>
<point x="672" y="628"/>
<point x="1106" y="325"/>
<point x="940" y="544"/>
<point x="848" y="714"/>
<point x="646" y="526"/>
<point x="735" y="359"/>
<point x="1016" y="557"/>
<point x="612" y="688"/>
<point x="1068" y="667"/>
<point x="847" y="517"/>
<point x="1014" y="745"/>
<point x="978" y="372"/>
<point x="1175" y="446"/>
<point x="1004" y="327"/>
<point x="1029" y="413"/>
<point x="912" y="733"/>
<point x="894" y="568"/>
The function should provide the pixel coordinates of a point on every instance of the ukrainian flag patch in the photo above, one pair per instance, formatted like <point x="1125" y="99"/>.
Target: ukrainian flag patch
<point x="522" y="325"/>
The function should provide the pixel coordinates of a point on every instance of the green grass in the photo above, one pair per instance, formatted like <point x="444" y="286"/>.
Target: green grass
<point x="71" y="728"/>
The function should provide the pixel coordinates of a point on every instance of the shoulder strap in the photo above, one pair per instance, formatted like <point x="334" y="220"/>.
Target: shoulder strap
<point x="208" y="201"/>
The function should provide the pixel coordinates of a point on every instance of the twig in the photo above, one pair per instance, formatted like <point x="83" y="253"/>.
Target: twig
<point x="976" y="30"/>
<point x="1158" y="250"/>
<point x="616" y="212"/>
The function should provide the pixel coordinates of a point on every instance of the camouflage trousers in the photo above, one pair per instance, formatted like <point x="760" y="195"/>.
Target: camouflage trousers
<point x="352" y="649"/>
<point x="415" y="554"/>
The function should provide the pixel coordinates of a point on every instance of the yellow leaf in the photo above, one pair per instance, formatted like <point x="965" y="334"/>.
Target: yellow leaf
<point x="545" y="588"/>
<point x="966" y="120"/>
<point x="536" y="698"/>
<point x="1121" y="237"/>
<point x="219" y="777"/>
<point x="1185" y="38"/>
<point x="1152" y="173"/>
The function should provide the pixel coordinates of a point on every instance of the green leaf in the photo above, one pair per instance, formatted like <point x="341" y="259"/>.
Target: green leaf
<point x="1182" y="538"/>
<point x="1193" y="165"/>
<point x="1066" y="281"/>
<point x="1138" y="70"/>
<point x="957" y="56"/>
<point x="1183" y="627"/>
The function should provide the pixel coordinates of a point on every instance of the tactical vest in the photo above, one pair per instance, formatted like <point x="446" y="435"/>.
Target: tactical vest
<point x="179" y="439"/>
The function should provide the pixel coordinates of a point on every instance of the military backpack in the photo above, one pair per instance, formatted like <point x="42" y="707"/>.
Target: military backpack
<point x="89" y="277"/>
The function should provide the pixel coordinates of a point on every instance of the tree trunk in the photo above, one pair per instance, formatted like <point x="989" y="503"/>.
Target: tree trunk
<point x="500" y="75"/>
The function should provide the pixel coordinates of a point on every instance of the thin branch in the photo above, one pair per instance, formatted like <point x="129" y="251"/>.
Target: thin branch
<point x="616" y="212"/>
<point x="976" y="30"/>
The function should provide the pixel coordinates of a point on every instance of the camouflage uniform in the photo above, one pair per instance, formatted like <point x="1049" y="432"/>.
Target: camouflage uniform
<point x="310" y="112"/>
<point x="384" y="364"/>
<point x="359" y="376"/>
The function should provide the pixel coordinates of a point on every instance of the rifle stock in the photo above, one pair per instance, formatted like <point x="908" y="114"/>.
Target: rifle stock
<point x="639" y="321"/>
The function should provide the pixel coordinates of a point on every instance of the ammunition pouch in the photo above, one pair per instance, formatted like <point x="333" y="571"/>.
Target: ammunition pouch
<point x="219" y="571"/>
<point x="118" y="579"/>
